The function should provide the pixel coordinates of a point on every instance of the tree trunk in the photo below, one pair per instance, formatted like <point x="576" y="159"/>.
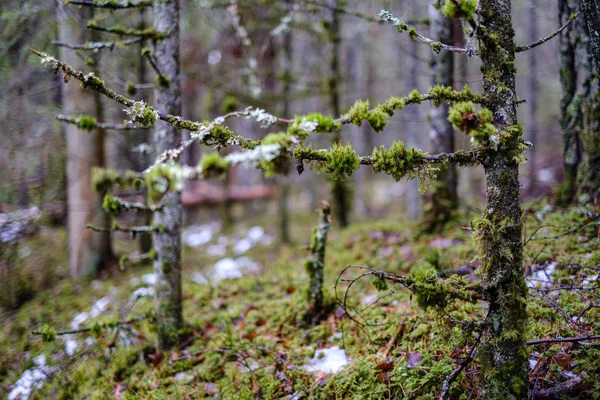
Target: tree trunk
<point x="442" y="199"/>
<point x="413" y="134"/>
<point x="503" y="354"/>
<point x="284" y="181"/>
<point x="167" y="242"/>
<point x="589" y="8"/>
<point x="144" y="217"/>
<point x="88" y="251"/>
<point x="532" y="95"/>
<point x="342" y="195"/>
<point x="570" y="111"/>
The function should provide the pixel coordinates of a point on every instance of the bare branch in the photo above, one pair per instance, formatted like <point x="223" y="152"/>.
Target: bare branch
<point x="538" y="42"/>
<point x="562" y="340"/>
<point x="85" y="330"/>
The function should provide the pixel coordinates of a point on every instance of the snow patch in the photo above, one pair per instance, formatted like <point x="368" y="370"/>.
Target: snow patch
<point x="31" y="379"/>
<point x="149" y="279"/>
<point x="99" y="306"/>
<point x="227" y="268"/>
<point x="142" y="292"/>
<point x="330" y="360"/>
<point x="542" y="276"/>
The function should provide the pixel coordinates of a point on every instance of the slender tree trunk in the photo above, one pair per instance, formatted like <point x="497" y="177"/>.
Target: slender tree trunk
<point x="88" y="251"/>
<point x="503" y="354"/>
<point x="342" y="195"/>
<point x="532" y="95"/>
<point x="284" y="181"/>
<point x="413" y="134"/>
<point x="442" y="199"/>
<point x="570" y="111"/>
<point x="167" y="242"/>
<point x="144" y="217"/>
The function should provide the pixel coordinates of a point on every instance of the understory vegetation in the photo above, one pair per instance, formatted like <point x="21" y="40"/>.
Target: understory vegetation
<point x="246" y="338"/>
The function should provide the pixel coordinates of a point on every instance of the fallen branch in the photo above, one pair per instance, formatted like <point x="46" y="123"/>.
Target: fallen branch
<point x="562" y="340"/>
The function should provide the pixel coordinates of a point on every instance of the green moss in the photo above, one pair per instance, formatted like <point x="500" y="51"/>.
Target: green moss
<point x="104" y="179"/>
<point x="324" y="123"/>
<point x="342" y="161"/>
<point x="146" y="52"/>
<point x="48" y="334"/>
<point x="400" y="162"/>
<point x="130" y="89"/>
<point x="229" y="104"/>
<point x="465" y="9"/>
<point x="162" y="81"/>
<point x="112" y="205"/>
<point x="358" y="112"/>
<point x="86" y="122"/>
<point x="213" y="165"/>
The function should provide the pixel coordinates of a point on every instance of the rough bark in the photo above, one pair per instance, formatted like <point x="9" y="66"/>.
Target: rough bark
<point x="167" y="242"/>
<point x="590" y="11"/>
<point x="503" y="354"/>
<point x="570" y="111"/>
<point x="341" y="192"/>
<point x="143" y="217"/>
<point x="316" y="265"/>
<point x="442" y="199"/>
<point x="532" y="94"/>
<point x="88" y="252"/>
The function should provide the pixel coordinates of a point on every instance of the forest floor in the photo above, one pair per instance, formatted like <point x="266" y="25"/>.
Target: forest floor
<point x="247" y="336"/>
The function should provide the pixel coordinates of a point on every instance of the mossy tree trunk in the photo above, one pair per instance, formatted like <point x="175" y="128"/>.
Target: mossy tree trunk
<point x="503" y="354"/>
<point x="315" y="266"/>
<point x="341" y="191"/>
<point x="570" y="111"/>
<point x="88" y="252"/>
<point x="167" y="242"/>
<point x="442" y="200"/>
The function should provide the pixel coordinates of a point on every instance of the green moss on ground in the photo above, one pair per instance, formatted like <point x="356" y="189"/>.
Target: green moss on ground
<point x="246" y="337"/>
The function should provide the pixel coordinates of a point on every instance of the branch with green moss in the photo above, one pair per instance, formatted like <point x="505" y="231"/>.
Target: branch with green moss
<point x="49" y="335"/>
<point x="87" y="123"/>
<point x="148" y="33"/>
<point x="95" y="46"/>
<point x="111" y="4"/>
<point x="543" y="40"/>
<point x="379" y="116"/>
<point x="300" y="126"/>
<point x="115" y="205"/>
<point x="435" y="45"/>
<point x="133" y="230"/>
<point x="429" y="288"/>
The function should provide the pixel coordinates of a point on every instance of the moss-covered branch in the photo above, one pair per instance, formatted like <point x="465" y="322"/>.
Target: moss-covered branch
<point x="147" y="33"/>
<point x="95" y="46"/>
<point x="87" y="123"/>
<point x="378" y="116"/>
<point x="111" y="4"/>
<point x="435" y="45"/>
